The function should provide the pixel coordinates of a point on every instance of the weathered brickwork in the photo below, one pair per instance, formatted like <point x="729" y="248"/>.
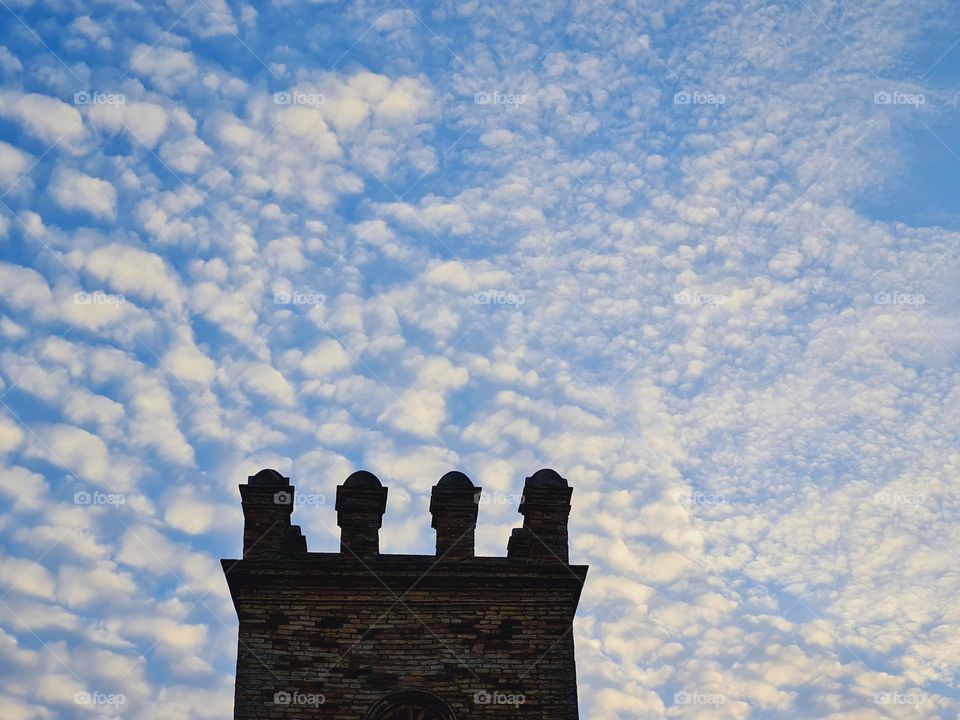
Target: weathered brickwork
<point x="359" y="635"/>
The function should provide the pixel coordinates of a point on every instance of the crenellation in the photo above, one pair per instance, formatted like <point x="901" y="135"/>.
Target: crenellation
<point x="362" y="635"/>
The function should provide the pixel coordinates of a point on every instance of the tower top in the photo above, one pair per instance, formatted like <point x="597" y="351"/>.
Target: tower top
<point x="455" y="479"/>
<point x="437" y="635"/>
<point x="268" y="478"/>
<point x="545" y="478"/>
<point x="363" y="479"/>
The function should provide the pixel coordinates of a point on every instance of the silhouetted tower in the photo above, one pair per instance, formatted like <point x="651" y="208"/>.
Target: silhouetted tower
<point x="363" y="635"/>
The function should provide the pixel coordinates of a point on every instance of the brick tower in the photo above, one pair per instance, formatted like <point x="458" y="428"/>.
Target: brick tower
<point x="360" y="635"/>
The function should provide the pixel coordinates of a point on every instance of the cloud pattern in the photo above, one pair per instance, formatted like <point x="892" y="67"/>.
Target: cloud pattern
<point x="696" y="257"/>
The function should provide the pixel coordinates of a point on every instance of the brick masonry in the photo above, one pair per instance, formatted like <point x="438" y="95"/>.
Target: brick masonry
<point x="359" y="635"/>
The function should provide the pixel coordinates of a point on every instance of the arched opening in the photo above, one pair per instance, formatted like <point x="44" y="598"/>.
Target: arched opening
<point x="411" y="705"/>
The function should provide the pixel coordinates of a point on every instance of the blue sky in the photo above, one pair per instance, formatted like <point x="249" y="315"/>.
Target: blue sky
<point x="702" y="259"/>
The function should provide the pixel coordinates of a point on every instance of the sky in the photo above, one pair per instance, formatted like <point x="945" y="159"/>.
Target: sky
<point x="702" y="258"/>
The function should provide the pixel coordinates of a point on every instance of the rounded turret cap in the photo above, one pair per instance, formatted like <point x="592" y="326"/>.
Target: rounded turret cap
<point x="455" y="480"/>
<point x="546" y="478"/>
<point x="362" y="479"/>
<point x="268" y="476"/>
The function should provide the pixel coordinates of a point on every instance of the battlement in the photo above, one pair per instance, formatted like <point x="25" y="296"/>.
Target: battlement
<point x="361" y="501"/>
<point x="380" y="636"/>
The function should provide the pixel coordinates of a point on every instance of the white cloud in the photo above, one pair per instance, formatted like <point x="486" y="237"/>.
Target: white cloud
<point x="76" y="451"/>
<point x="26" y="577"/>
<point x="399" y="101"/>
<point x="83" y="310"/>
<point x="186" y="155"/>
<point x="305" y="126"/>
<point x="75" y="190"/>
<point x="102" y="584"/>
<point x="154" y="425"/>
<point x="211" y="20"/>
<point x="329" y="356"/>
<point x="28" y="489"/>
<point x="166" y="67"/>
<point x="418" y="412"/>
<point x="395" y="19"/>
<point x="232" y="311"/>
<point x="187" y="362"/>
<point x="18" y="709"/>
<point x="8" y="61"/>
<point x="286" y="254"/>
<point x="133" y="271"/>
<point x="144" y="122"/>
<point x="47" y="118"/>
<point x="24" y="288"/>
<point x="267" y="383"/>
<point x="89" y="28"/>
<point x="82" y="406"/>
<point x="188" y="702"/>
<point x="11" y="435"/>
<point x="13" y="164"/>
<point x="191" y="511"/>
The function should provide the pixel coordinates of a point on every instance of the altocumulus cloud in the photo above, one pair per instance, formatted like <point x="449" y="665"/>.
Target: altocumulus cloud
<point x="699" y="260"/>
